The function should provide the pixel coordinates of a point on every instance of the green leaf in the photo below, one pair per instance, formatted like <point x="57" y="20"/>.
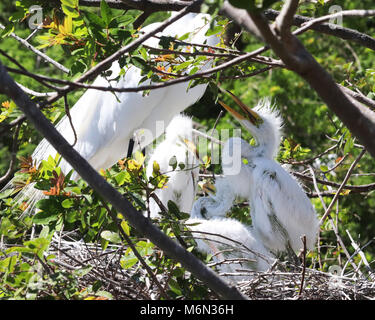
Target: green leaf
<point x="125" y="227"/>
<point x="214" y="30"/>
<point x="174" y="286"/>
<point x="128" y="261"/>
<point x="9" y="28"/>
<point x="110" y="236"/>
<point x="67" y="203"/>
<point x="70" y="3"/>
<point x="155" y="168"/>
<point x="82" y="271"/>
<point x="70" y="8"/>
<point x="105" y="11"/>
<point x="95" y="20"/>
<point x="38" y="245"/>
<point x="183" y="65"/>
<point x="44" y="217"/>
<point x="122" y="177"/>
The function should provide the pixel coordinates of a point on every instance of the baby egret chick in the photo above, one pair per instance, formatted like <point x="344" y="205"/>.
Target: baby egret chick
<point x="233" y="246"/>
<point x="281" y="212"/>
<point x="215" y="205"/>
<point x="182" y="182"/>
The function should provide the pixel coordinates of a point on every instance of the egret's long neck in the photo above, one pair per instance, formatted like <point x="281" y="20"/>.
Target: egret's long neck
<point x="267" y="137"/>
<point x="266" y="148"/>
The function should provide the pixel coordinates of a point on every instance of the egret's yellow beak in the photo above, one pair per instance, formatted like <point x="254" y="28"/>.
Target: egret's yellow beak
<point x="191" y="147"/>
<point x="246" y="112"/>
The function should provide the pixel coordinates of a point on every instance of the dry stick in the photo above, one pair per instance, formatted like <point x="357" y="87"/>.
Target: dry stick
<point x="96" y="273"/>
<point x="346" y="13"/>
<point x="353" y="188"/>
<point x="39" y="53"/>
<point x="303" y="238"/>
<point x="347" y="176"/>
<point x="323" y="203"/>
<point x="108" y="193"/>
<point x="135" y="251"/>
<point x="362" y="255"/>
<point x="306" y="161"/>
<point x="334" y="228"/>
<point x="330" y="29"/>
<point x="212" y="142"/>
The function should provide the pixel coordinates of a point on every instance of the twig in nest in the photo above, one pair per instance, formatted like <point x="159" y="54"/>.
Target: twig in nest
<point x="303" y="238"/>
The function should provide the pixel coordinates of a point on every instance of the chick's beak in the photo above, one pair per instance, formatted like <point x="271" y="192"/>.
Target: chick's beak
<point x="245" y="114"/>
<point x="191" y="146"/>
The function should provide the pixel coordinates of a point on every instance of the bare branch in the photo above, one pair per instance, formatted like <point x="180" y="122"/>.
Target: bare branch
<point x="353" y="188"/>
<point x="38" y="52"/>
<point x="347" y="176"/>
<point x="330" y="29"/>
<point x="346" y="13"/>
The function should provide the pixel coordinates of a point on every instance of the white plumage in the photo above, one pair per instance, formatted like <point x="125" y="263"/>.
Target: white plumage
<point x="233" y="245"/>
<point x="182" y="183"/>
<point x="216" y="205"/>
<point x="105" y="122"/>
<point x="281" y="212"/>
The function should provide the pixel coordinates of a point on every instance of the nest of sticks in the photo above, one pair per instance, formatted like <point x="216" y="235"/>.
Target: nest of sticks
<point x="281" y="283"/>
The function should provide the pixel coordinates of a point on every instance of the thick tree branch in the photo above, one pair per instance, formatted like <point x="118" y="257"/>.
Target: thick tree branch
<point x="98" y="183"/>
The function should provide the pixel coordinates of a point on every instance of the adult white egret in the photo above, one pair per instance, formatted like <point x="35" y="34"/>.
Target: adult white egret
<point x="182" y="181"/>
<point x="281" y="212"/>
<point x="233" y="246"/>
<point x="105" y="122"/>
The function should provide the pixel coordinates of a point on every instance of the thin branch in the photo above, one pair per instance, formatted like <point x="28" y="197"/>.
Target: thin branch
<point x="353" y="188"/>
<point x="303" y="264"/>
<point x="334" y="227"/>
<point x="344" y="13"/>
<point x="329" y="29"/>
<point x="347" y="176"/>
<point x="38" y="52"/>
<point x="357" y="248"/>
<point x="135" y="251"/>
